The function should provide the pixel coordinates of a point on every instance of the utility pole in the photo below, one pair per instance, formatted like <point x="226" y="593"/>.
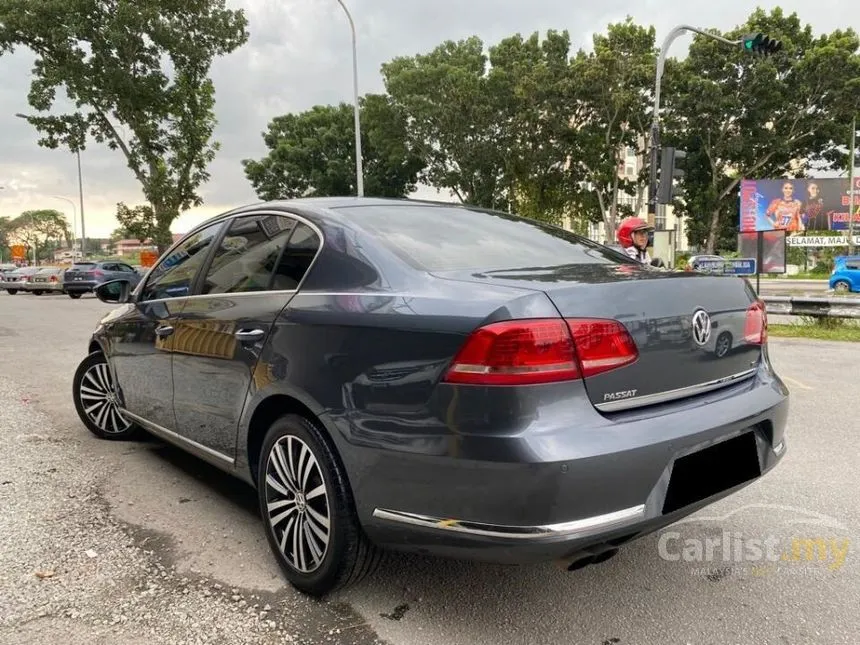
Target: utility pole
<point x="851" y="186"/>
<point x="359" y="169"/>
<point x="753" y="43"/>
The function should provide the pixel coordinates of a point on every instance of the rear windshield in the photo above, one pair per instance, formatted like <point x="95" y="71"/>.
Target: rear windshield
<point x="83" y="266"/>
<point x="441" y="238"/>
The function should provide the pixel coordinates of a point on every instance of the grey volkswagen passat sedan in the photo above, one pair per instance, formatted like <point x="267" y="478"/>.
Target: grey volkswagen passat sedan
<point x="395" y="374"/>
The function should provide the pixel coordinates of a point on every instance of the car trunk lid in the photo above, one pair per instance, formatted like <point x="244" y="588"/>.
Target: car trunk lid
<point x="678" y="357"/>
<point x="82" y="271"/>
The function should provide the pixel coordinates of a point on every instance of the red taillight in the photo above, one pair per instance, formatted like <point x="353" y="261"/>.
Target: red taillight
<point x="53" y="278"/>
<point x="755" y="325"/>
<point x="98" y="273"/>
<point x="602" y="345"/>
<point x="525" y="352"/>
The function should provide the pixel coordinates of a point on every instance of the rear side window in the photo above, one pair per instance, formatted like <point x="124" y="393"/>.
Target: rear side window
<point x="296" y="260"/>
<point x="248" y="254"/>
<point x="852" y="266"/>
<point x="439" y="238"/>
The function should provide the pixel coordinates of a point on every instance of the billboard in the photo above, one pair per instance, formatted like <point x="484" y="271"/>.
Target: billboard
<point x="772" y="258"/>
<point x="797" y="206"/>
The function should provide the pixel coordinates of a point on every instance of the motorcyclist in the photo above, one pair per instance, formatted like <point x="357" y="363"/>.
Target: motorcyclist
<point x="633" y="237"/>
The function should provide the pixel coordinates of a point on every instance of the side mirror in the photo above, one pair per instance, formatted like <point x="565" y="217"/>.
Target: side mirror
<point x="114" y="292"/>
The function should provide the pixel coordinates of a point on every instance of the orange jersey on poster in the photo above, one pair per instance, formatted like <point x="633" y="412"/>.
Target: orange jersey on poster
<point x="785" y="214"/>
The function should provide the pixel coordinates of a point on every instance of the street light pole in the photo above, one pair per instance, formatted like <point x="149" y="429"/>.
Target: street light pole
<point x="851" y="186"/>
<point x="655" y="123"/>
<point x="74" y="223"/>
<point x="81" y="197"/>
<point x="80" y="191"/>
<point x="359" y="169"/>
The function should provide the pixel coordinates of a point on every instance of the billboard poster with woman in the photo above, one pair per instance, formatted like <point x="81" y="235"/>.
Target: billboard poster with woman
<point x="797" y="206"/>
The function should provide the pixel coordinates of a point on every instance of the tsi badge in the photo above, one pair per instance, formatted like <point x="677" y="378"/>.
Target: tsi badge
<point x="617" y="396"/>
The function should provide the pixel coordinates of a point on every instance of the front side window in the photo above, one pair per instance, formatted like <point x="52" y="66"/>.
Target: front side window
<point x="248" y="254"/>
<point x="173" y="276"/>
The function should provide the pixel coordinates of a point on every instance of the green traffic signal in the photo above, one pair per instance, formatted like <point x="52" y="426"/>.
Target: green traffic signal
<point x="761" y="44"/>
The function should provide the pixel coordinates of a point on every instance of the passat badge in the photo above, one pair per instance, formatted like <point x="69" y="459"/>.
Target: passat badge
<point x="617" y="396"/>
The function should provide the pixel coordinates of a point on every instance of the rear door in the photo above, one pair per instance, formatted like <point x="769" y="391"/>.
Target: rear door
<point x="220" y="332"/>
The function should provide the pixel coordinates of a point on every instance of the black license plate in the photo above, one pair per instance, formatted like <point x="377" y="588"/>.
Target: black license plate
<point x="712" y="470"/>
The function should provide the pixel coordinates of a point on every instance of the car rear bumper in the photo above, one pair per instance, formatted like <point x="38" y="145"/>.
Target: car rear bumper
<point x="44" y="286"/>
<point x="572" y="484"/>
<point x="79" y="286"/>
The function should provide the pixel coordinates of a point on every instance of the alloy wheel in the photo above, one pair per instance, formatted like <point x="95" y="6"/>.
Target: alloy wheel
<point x="297" y="504"/>
<point x="100" y="401"/>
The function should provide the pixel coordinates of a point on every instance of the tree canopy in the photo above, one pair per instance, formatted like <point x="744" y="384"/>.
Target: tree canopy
<point x="528" y="125"/>
<point x="137" y="73"/>
<point x="313" y="152"/>
<point x="740" y="116"/>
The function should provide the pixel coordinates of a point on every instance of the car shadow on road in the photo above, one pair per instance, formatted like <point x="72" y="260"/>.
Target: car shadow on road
<point x="240" y="495"/>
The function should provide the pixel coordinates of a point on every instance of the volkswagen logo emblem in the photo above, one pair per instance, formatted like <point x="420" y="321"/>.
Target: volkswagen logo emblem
<point x="701" y="326"/>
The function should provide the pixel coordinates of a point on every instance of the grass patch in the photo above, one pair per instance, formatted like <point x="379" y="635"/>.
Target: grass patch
<point x="819" y="329"/>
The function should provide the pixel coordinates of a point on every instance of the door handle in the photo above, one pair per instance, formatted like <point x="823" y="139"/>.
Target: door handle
<point x="249" y="335"/>
<point x="164" y="331"/>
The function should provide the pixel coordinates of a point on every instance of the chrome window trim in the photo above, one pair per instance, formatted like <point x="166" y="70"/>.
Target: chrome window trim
<point x="673" y="395"/>
<point x="571" y="529"/>
<point x="228" y="219"/>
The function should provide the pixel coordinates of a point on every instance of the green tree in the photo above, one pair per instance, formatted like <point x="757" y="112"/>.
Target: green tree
<point x="740" y="116"/>
<point x="40" y="229"/>
<point x="313" y="152"/>
<point x="6" y="230"/>
<point x="137" y="70"/>
<point x="531" y="89"/>
<point x="612" y="86"/>
<point x="139" y="222"/>
<point x="453" y="122"/>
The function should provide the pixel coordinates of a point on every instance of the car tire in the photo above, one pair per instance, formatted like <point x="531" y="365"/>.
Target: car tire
<point x="96" y="400"/>
<point x="723" y="345"/>
<point x="37" y="292"/>
<point x="841" y="286"/>
<point x="11" y="292"/>
<point x="74" y="296"/>
<point x="314" y="561"/>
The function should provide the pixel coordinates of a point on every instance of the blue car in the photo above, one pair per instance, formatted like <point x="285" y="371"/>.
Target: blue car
<point x="846" y="274"/>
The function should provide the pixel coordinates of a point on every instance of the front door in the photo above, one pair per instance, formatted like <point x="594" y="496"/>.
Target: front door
<point x="223" y="328"/>
<point x="142" y="338"/>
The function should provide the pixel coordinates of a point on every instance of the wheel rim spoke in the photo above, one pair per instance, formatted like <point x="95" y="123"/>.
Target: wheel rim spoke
<point x="297" y="506"/>
<point x="99" y="400"/>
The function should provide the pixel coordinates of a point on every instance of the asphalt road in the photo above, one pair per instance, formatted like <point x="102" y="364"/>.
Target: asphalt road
<point x="137" y="543"/>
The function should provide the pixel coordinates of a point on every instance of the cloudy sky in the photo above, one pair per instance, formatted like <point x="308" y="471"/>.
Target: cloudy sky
<point x="299" y="55"/>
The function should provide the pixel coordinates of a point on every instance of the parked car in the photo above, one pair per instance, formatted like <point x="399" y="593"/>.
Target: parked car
<point x="82" y="277"/>
<point x="14" y="281"/>
<point x="46" y="279"/>
<point x="845" y="276"/>
<point x="436" y="378"/>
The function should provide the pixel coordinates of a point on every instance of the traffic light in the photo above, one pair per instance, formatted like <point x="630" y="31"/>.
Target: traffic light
<point x="761" y="44"/>
<point x="669" y="170"/>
